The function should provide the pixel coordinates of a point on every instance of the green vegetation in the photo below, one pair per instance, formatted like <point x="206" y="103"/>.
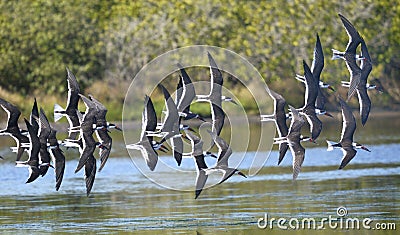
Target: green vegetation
<point x="105" y="43"/>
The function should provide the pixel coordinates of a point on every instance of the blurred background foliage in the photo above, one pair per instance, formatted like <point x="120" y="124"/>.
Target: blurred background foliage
<point x="105" y="43"/>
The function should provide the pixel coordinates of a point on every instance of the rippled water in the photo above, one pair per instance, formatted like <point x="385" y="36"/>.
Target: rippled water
<point x="124" y="201"/>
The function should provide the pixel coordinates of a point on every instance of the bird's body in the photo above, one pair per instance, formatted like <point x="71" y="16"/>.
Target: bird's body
<point x="215" y="97"/>
<point x="224" y="152"/>
<point x="71" y="112"/>
<point x="185" y="94"/>
<point x="145" y="144"/>
<point x="346" y="142"/>
<point x="279" y="117"/>
<point x="362" y="73"/>
<point x="308" y="110"/>
<point x="201" y="166"/>
<point x="316" y="69"/>
<point x="102" y="132"/>
<point x="55" y="152"/>
<point x="43" y="134"/>
<point x="33" y="161"/>
<point x="58" y="157"/>
<point x="349" y="55"/>
<point x="202" y="169"/>
<point x="12" y="129"/>
<point x="171" y="126"/>
<point x="293" y="140"/>
<point x="89" y="144"/>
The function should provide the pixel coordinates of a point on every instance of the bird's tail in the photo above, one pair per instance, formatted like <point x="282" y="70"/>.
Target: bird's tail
<point x="331" y="145"/>
<point x="337" y="54"/>
<point x="58" y="112"/>
<point x="162" y="147"/>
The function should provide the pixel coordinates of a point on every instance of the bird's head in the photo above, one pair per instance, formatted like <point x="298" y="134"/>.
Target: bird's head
<point x="186" y="127"/>
<point x="53" y="147"/>
<point x="209" y="154"/>
<point x="241" y="174"/>
<point x="360" y="146"/>
<point x="46" y="164"/>
<point x="101" y="146"/>
<point x="322" y="112"/>
<point x="365" y="148"/>
<point x="114" y="126"/>
<point x="307" y="139"/>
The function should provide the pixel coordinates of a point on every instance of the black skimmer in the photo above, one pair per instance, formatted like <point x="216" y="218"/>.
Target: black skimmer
<point x="354" y="40"/>
<point x="102" y="132"/>
<point x="293" y="139"/>
<point x="88" y="143"/>
<point x="322" y="84"/>
<point x="279" y="117"/>
<point x="170" y="127"/>
<point x="72" y="106"/>
<point x="308" y="110"/>
<point x="43" y="134"/>
<point x="55" y="152"/>
<point x="197" y="154"/>
<point x="202" y="169"/>
<point x="146" y="144"/>
<point x="363" y="99"/>
<point x="361" y="74"/>
<point x="149" y="124"/>
<point x="375" y="84"/>
<point x="57" y="155"/>
<point x="215" y="97"/>
<point x="33" y="120"/>
<point x="185" y="94"/>
<point x="316" y="69"/>
<point x="346" y="143"/>
<point x="224" y="152"/>
<point x="350" y="55"/>
<point x="12" y="129"/>
<point x="33" y="152"/>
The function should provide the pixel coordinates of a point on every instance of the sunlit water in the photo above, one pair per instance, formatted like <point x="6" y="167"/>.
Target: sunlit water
<point x="124" y="200"/>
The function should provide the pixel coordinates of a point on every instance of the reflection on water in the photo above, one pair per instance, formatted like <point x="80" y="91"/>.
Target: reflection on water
<point x="124" y="201"/>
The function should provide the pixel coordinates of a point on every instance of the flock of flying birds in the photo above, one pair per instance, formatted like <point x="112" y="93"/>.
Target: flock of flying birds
<point x="176" y="112"/>
<point x="290" y="137"/>
<point x="41" y="144"/>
